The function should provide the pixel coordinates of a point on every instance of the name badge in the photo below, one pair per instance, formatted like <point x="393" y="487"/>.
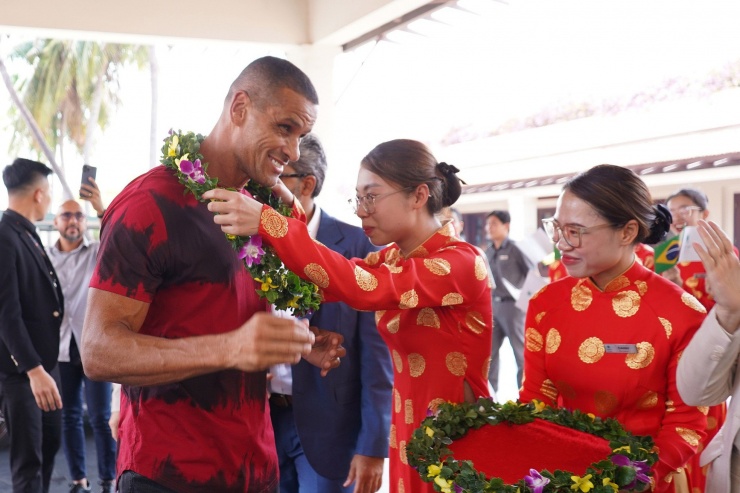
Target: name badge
<point x="621" y="348"/>
<point x="504" y="257"/>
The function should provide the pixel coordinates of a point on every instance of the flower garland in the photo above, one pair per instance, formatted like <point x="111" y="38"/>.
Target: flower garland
<point x="278" y="285"/>
<point x="626" y="469"/>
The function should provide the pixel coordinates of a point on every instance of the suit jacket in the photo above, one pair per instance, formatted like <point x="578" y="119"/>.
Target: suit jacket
<point x="31" y="303"/>
<point x="348" y="411"/>
<point x="707" y="375"/>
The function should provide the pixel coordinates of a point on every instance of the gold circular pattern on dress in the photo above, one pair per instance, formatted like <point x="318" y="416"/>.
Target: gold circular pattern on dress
<point x="666" y="326"/>
<point x="401" y="488"/>
<point x="692" y="282"/>
<point x="378" y="315"/>
<point x="396" y="401"/>
<point x="394" y="269"/>
<point x="535" y="295"/>
<point x="690" y="436"/>
<point x="437" y="266"/>
<point x="418" y="252"/>
<point x="372" y="258"/>
<point x="452" y="299"/>
<point x="626" y="303"/>
<point x="704" y="410"/>
<point x="648" y="401"/>
<point x="616" y="284"/>
<point x="552" y="341"/>
<point x="317" y="275"/>
<point x="605" y="402"/>
<point x="427" y="318"/>
<point x="408" y="412"/>
<point x="548" y="389"/>
<point x="670" y="406"/>
<point x="474" y="321"/>
<point x="580" y="297"/>
<point x="275" y="224"/>
<point x="417" y="364"/>
<point x="591" y="350"/>
<point x="711" y="423"/>
<point x="409" y="299"/>
<point x="402" y="451"/>
<point x="642" y="287"/>
<point x="397" y="361"/>
<point x="692" y="302"/>
<point x="365" y="280"/>
<point x="394" y="324"/>
<point x="456" y="363"/>
<point x="533" y="340"/>
<point x="392" y="437"/>
<point x="480" y="268"/>
<point x="435" y="403"/>
<point x="642" y="358"/>
<point x="565" y="389"/>
<point x="539" y="316"/>
<point x="486" y="368"/>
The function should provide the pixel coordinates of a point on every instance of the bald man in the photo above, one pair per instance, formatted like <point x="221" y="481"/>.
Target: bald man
<point x="173" y="314"/>
<point x="73" y="256"/>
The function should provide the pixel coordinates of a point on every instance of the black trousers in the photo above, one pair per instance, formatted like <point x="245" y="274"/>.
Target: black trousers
<point x="131" y="482"/>
<point x="35" y="435"/>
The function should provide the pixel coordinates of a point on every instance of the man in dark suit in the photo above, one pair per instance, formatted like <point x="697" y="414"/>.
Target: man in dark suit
<point x="332" y="431"/>
<point x="31" y="310"/>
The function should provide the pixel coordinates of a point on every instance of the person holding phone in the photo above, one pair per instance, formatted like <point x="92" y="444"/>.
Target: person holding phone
<point x="89" y="190"/>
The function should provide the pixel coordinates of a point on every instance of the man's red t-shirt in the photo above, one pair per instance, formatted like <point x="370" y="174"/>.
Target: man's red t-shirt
<point x="208" y="433"/>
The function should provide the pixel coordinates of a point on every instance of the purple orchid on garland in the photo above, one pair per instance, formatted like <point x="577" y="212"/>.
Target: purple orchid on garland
<point x="640" y="467"/>
<point x="193" y="170"/>
<point x="535" y="481"/>
<point x="252" y="251"/>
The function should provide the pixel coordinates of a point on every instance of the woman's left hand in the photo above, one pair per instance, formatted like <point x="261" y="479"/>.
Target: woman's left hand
<point x="236" y="213"/>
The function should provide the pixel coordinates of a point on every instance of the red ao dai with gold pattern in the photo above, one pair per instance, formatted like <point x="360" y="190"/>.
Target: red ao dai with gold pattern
<point x="433" y="309"/>
<point x="614" y="353"/>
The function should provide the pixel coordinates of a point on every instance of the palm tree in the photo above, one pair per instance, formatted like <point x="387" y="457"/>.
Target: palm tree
<point x="72" y="92"/>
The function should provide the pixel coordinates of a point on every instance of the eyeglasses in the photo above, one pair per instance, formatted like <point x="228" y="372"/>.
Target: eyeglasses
<point x="294" y="175"/>
<point x="368" y="201"/>
<point x="69" y="215"/>
<point x="685" y="211"/>
<point x="571" y="234"/>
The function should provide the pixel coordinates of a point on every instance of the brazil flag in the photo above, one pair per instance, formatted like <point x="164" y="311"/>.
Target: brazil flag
<point x="666" y="254"/>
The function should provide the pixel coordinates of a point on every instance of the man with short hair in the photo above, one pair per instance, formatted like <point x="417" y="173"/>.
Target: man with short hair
<point x="74" y="256"/>
<point x="174" y="316"/>
<point x="509" y="265"/>
<point x="31" y="311"/>
<point x="332" y="433"/>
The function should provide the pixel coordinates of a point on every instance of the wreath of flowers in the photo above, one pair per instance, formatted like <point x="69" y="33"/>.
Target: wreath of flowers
<point x="626" y="469"/>
<point x="278" y="285"/>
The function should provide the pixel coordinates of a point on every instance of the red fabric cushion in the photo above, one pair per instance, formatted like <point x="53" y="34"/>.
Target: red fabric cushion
<point x="510" y="451"/>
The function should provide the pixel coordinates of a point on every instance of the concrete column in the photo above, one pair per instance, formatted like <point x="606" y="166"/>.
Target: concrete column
<point x="523" y="210"/>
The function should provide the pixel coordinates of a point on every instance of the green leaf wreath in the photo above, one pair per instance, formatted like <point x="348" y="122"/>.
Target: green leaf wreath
<point x="278" y="285"/>
<point x="626" y="469"/>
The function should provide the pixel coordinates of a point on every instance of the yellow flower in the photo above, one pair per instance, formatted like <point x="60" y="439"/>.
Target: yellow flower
<point x="294" y="302"/>
<point x="429" y="432"/>
<point x="591" y="415"/>
<point x="624" y="448"/>
<point x="433" y="470"/>
<point x="445" y="485"/>
<point x="230" y="237"/>
<point x="539" y="406"/>
<point x="182" y="158"/>
<point x="172" y="151"/>
<point x="266" y="284"/>
<point x="608" y="482"/>
<point x="583" y="484"/>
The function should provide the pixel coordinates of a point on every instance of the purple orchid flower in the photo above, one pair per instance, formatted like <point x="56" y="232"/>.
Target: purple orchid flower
<point x="536" y="481"/>
<point x="458" y="488"/>
<point x="640" y="466"/>
<point x="193" y="170"/>
<point x="252" y="251"/>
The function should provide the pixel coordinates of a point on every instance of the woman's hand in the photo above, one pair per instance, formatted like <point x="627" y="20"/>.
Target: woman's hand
<point x="723" y="273"/>
<point x="236" y="213"/>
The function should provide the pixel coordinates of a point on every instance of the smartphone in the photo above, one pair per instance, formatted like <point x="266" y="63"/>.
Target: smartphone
<point x="87" y="172"/>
